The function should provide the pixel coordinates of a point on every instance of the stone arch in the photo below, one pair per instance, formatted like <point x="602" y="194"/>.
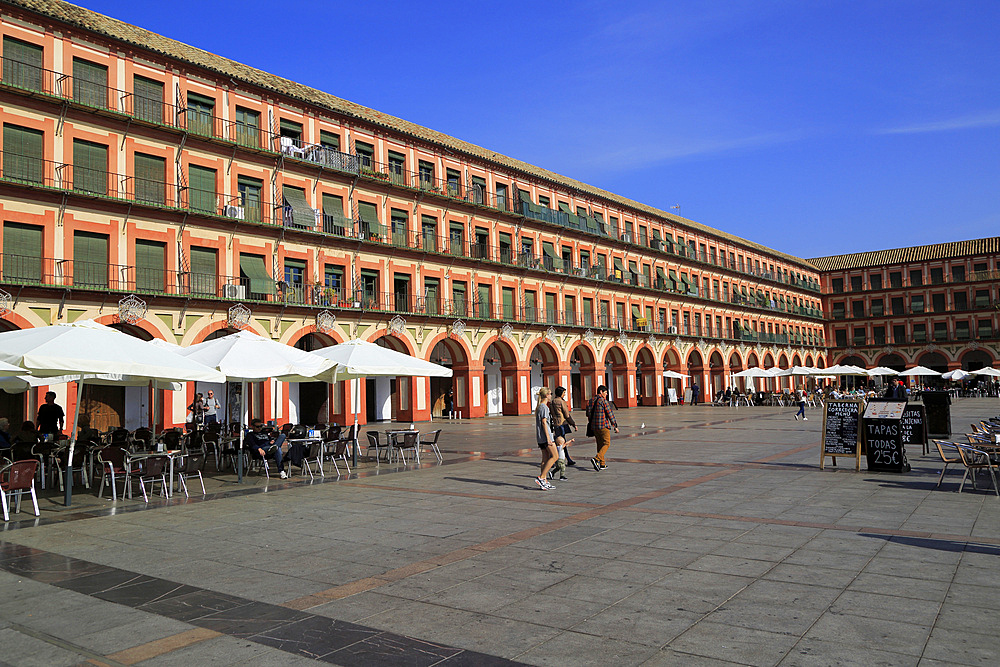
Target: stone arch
<point x="616" y="374"/>
<point x="809" y="361"/>
<point x="582" y="372"/>
<point x="973" y="360"/>
<point x="854" y="360"/>
<point x="314" y="340"/>
<point x="796" y="360"/>
<point x="936" y="361"/>
<point x="543" y="368"/>
<point x="645" y="376"/>
<point x="893" y="360"/>
<point x="752" y="360"/>
<point x="389" y="341"/>
<point x="672" y="359"/>
<point x="768" y="361"/>
<point x="500" y="378"/>
<point x="716" y="373"/>
<point x="450" y="394"/>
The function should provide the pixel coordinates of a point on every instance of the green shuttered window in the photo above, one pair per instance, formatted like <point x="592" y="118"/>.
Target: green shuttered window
<point x="90" y="260"/>
<point x="201" y="189"/>
<point x="147" y="99"/>
<point x="150" y="263"/>
<point x="90" y="167"/>
<point x="247" y="127"/>
<point x="199" y="114"/>
<point x="204" y="270"/>
<point x="22" y="64"/>
<point x="22" y="252"/>
<point x="22" y="154"/>
<point x="90" y="83"/>
<point x="150" y="177"/>
<point x="253" y="269"/>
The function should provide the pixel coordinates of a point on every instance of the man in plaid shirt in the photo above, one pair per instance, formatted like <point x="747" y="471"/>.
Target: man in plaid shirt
<point x="602" y="420"/>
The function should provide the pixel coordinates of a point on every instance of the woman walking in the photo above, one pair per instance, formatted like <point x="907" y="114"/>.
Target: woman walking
<point x="543" y="436"/>
<point x="800" y="396"/>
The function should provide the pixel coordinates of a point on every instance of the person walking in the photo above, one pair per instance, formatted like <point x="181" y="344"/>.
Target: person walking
<point x="543" y="436"/>
<point x="695" y="392"/>
<point x="562" y="419"/>
<point x="50" y="416"/>
<point x="211" y="408"/>
<point x="601" y="421"/>
<point x="800" y="397"/>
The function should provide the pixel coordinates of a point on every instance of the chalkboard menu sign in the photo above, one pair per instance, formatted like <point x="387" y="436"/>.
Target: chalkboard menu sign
<point x="841" y="419"/>
<point x="884" y="445"/>
<point x="914" y="425"/>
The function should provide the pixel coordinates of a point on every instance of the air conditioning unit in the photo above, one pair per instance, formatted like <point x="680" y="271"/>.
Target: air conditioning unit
<point x="234" y="292"/>
<point x="627" y="237"/>
<point x="234" y="212"/>
<point x="672" y="330"/>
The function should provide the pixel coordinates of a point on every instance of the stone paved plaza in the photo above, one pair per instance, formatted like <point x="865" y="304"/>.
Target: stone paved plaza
<point x="712" y="538"/>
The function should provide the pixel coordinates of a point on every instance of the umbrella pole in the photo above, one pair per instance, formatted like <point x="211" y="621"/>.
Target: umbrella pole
<point x="68" y="498"/>
<point x="239" y="453"/>
<point x="356" y="398"/>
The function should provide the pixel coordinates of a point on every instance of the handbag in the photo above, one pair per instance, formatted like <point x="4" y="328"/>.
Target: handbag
<point x="590" y="430"/>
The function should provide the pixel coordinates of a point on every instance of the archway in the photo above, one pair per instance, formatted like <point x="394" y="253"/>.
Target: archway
<point x="785" y="381"/>
<point x="500" y="379"/>
<point x="645" y="377"/>
<point x="973" y="360"/>
<point x="386" y="398"/>
<point x="616" y="376"/>
<point x="673" y="388"/>
<point x="934" y="361"/>
<point x="583" y="374"/>
<point x="854" y="360"/>
<point x="736" y="366"/>
<point x="543" y="362"/>
<point x="310" y="402"/>
<point x="696" y="370"/>
<point x="854" y="381"/>
<point x="449" y="396"/>
<point x="716" y="374"/>
<point x="893" y="361"/>
<point x="107" y="407"/>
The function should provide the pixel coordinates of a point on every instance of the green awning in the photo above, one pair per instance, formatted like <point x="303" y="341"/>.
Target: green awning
<point x="368" y="215"/>
<point x="673" y="278"/>
<point x="297" y="209"/>
<point x="548" y="250"/>
<point x="656" y="235"/>
<point x="744" y="290"/>
<point x="662" y="276"/>
<point x="252" y="266"/>
<point x="563" y="206"/>
<point x="524" y="196"/>
<point x="685" y="282"/>
<point x="619" y="265"/>
<point x="635" y="311"/>
<point x="592" y="225"/>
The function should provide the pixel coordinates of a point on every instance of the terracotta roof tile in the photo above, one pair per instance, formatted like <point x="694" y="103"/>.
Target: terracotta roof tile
<point x="118" y="30"/>
<point x="919" y="253"/>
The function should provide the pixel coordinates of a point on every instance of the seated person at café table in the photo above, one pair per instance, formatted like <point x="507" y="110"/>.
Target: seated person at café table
<point x="264" y="444"/>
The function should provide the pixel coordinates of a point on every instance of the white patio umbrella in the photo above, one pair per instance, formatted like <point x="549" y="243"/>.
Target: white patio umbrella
<point x="991" y="372"/>
<point x="10" y="368"/>
<point x="15" y="384"/>
<point x="919" y="370"/>
<point x="247" y="357"/>
<point x="955" y="375"/>
<point x="754" y="372"/>
<point x="356" y="359"/>
<point x="674" y="375"/>
<point x="795" y="370"/>
<point x="880" y="371"/>
<point x="842" y="370"/>
<point x="88" y="348"/>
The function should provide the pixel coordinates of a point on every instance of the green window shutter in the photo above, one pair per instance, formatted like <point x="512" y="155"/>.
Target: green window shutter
<point x="90" y="167"/>
<point x="253" y="269"/>
<point x="22" y="64"/>
<point x="22" y="154"/>
<point x="204" y="270"/>
<point x="150" y="179"/>
<point x="201" y="189"/>
<point x="250" y="207"/>
<point x="295" y="271"/>
<point x="147" y="99"/>
<point x="329" y="140"/>
<point x="199" y="114"/>
<point x="246" y="130"/>
<point x="90" y="83"/>
<point x="508" y="303"/>
<point x="150" y="263"/>
<point x="22" y="252"/>
<point x="334" y="221"/>
<point x="90" y="259"/>
<point x="297" y="211"/>
<point x="290" y="127"/>
<point x="368" y="215"/>
<point x="484" y="302"/>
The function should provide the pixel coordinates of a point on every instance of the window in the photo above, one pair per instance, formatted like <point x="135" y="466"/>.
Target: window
<point x="295" y="279"/>
<point x="961" y="300"/>
<point x="369" y="225"/>
<point x="333" y="283"/>
<point x="878" y="335"/>
<point x="840" y="336"/>
<point x="199" y="114"/>
<point x="937" y="276"/>
<point x="334" y="221"/>
<point x="859" y="336"/>
<point x="875" y="281"/>
<point x="90" y="167"/>
<point x="896" y="279"/>
<point x="22" y="64"/>
<point x="246" y="127"/>
<point x="962" y="330"/>
<point x="857" y="283"/>
<point x="204" y="270"/>
<point x="454" y="179"/>
<point x="940" y="331"/>
<point x="22" y="154"/>
<point x="980" y="267"/>
<point x="90" y="83"/>
<point x="937" y="301"/>
<point x="878" y="308"/>
<point x="150" y="176"/>
<point x="201" y="189"/>
<point x="917" y="303"/>
<point x="426" y="172"/>
<point x="544" y="201"/>
<point x="255" y="276"/>
<point x="397" y="168"/>
<point x="858" y="309"/>
<point x="428" y="233"/>
<point x="984" y="329"/>
<point x="370" y="288"/>
<point x="916" y="278"/>
<point x="919" y="333"/>
<point x="291" y="130"/>
<point x="251" y="206"/>
<point x="507" y="297"/>
<point x="365" y="152"/>
<point x="899" y="334"/>
<point x="22" y="252"/>
<point x="982" y="298"/>
<point x="897" y="305"/>
<point x="295" y="210"/>
<point x="484" y="308"/>
<point x="150" y="265"/>
<point x="147" y="99"/>
<point x="90" y="260"/>
<point x="329" y="140"/>
<point x="502" y="203"/>
<point x="459" y="298"/>
<point x="399" y="221"/>
<point x="958" y="274"/>
<point x="837" y="285"/>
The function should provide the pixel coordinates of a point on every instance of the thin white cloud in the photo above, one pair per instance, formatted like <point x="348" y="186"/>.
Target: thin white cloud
<point x="968" y="122"/>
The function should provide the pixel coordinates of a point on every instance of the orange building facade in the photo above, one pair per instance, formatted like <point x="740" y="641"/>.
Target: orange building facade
<point x="936" y="306"/>
<point x="179" y="195"/>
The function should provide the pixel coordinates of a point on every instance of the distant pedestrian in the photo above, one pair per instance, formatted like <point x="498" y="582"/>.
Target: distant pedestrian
<point x="695" y="390"/>
<point x="601" y="420"/>
<point x="543" y="436"/>
<point x="800" y="397"/>
<point x="50" y="416"/>
<point x="211" y="408"/>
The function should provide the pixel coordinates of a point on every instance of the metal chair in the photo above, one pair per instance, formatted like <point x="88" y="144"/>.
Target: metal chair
<point x="79" y="465"/>
<point x="947" y="460"/>
<point x="340" y="452"/>
<point x="113" y="462"/>
<point x="149" y="469"/>
<point x="17" y="478"/>
<point x="974" y="461"/>
<point x="373" y="441"/>
<point x="431" y="440"/>
<point x="407" y="441"/>
<point x="194" y="463"/>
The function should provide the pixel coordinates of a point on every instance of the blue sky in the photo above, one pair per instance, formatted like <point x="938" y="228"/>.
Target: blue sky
<point x="814" y="127"/>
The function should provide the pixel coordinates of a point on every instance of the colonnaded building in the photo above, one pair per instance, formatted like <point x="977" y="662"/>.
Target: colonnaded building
<point x="178" y="195"/>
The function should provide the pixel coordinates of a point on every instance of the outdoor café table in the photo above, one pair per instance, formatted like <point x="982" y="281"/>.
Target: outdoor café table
<point x="298" y="449"/>
<point x="390" y="436"/>
<point x="170" y="454"/>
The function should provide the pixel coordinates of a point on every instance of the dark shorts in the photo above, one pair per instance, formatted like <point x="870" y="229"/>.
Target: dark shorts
<point x="544" y="445"/>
